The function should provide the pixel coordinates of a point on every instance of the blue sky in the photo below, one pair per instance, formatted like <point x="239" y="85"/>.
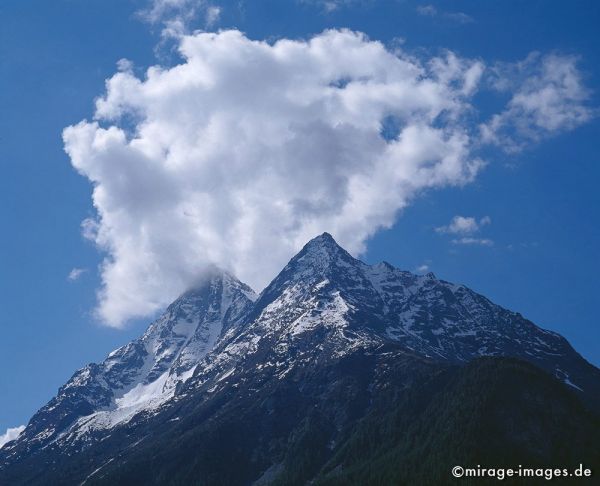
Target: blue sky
<point x="542" y="201"/>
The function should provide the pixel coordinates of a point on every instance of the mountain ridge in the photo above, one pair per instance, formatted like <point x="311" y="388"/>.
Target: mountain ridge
<point x="324" y="308"/>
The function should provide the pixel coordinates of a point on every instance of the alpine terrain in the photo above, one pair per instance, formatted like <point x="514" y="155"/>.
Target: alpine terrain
<point x="338" y="373"/>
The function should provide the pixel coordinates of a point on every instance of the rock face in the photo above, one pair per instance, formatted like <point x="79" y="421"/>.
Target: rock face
<point x="330" y="344"/>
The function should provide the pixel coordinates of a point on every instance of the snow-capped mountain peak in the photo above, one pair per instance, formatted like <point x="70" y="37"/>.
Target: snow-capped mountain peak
<point x="324" y="289"/>
<point x="145" y="372"/>
<point x="319" y="256"/>
<point x="324" y="305"/>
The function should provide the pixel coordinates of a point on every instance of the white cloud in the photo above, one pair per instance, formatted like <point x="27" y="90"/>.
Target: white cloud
<point x="464" y="225"/>
<point x="333" y="5"/>
<point x="548" y="97"/>
<point x="76" y="273"/>
<point x="212" y="15"/>
<point x="330" y="5"/>
<point x="428" y="10"/>
<point x="159" y="10"/>
<point x="467" y="240"/>
<point x="124" y="65"/>
<point x="245" y="150"/>
<point x="422" y="268"/>
<point x="432" y="11"/>
<point x="485" y="220"/>
<point x="11" y="434"/>
<point x="179" y="16"/>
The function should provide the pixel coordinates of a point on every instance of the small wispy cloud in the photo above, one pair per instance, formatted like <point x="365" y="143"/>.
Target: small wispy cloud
<point x="76" y="273"/>
<point x="89" y="229"/>
<point x="422" y="268"/>
<point x="464" y="228"/>
<point x="212" y="15"/>
<point x="329" y="6"/>
<point x="160" y="10"/>
<point x="463" y="225"/>
<point x="428" y="10"/>
<point x="179" y="17"/>
<point x="432" y="11"/>
<point x="468" y="240"/>
<point x="11" y="434"/>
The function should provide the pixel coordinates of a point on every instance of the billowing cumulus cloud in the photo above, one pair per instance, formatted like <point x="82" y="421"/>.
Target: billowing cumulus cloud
<point x="245" y="150"/>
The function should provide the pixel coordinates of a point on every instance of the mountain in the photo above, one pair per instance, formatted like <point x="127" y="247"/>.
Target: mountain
<point x="144" y="373"/>
<point x="324" y="286"/>
<point x="336" y="368"/>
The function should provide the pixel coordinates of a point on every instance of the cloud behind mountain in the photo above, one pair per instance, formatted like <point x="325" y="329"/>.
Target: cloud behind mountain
<point x="246" y="149"/>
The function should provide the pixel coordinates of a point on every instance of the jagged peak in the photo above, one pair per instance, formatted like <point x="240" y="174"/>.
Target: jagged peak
<point x="324" y="237"/>
<point x="214" y="275"/>
<point x="322" y="249"/>
<point x="312" y="263"/>
<point x="324" y="242"/>
<point x="385" y="266"/>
